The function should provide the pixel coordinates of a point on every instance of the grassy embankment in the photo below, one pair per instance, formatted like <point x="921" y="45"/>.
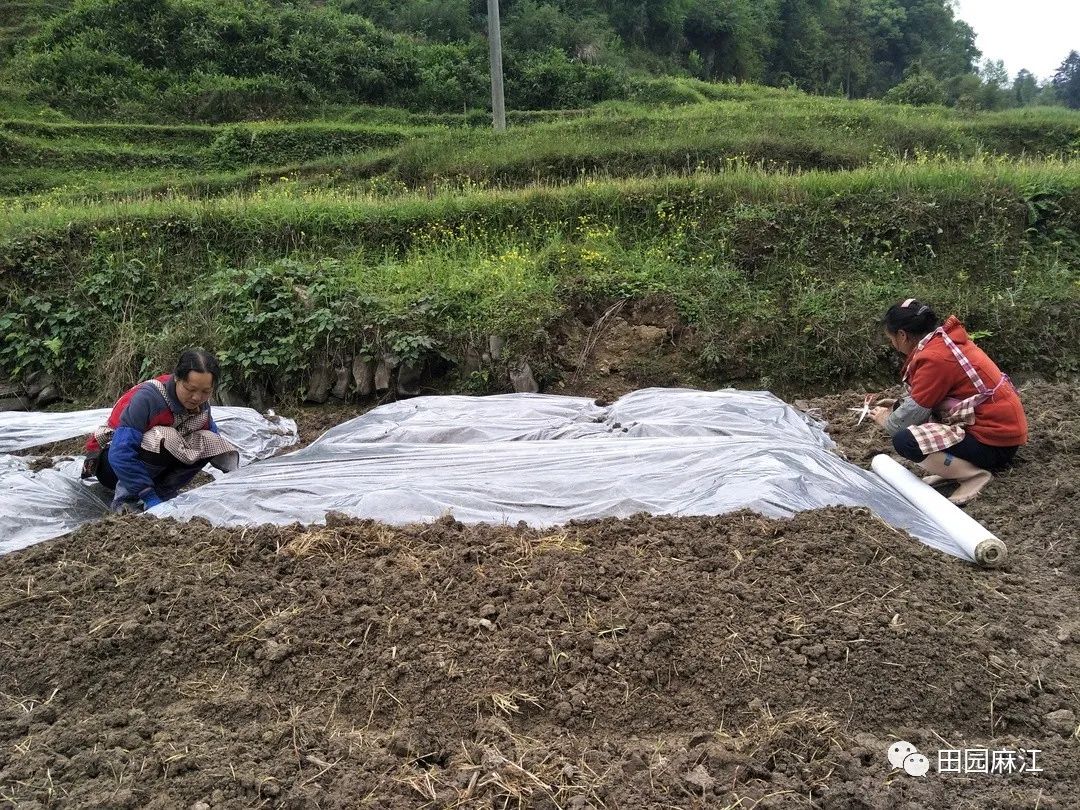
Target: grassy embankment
<point x="781" y="225"/>
<point x="764" y="127"/>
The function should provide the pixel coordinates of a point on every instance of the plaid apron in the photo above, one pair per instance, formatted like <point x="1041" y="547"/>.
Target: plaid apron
<point x="189" y="439"/>
<point x="952" y="414"/>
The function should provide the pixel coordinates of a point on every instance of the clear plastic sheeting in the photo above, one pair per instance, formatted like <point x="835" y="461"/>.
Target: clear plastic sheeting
<point x="22" y="430"/>
<point x="745" y="414"/>
<point x="255" y="435"/>
<point x="36" y="506"/>
<point x="652" y="412"/>
<point x="546" y="460"/>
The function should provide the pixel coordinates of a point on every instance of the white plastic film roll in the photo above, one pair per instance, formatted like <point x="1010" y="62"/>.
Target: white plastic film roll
<point x="974" y="538"/>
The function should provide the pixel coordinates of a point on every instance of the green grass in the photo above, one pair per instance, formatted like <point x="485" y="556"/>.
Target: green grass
<point x="334" y="210"/>
<point x="782" y="276"/>
<point x="780" y="225"/>
<point x="32" y="187"/>
<point x="776" y="131"/>
<point x="793" y="133"/>
<point x="125" y="135"/>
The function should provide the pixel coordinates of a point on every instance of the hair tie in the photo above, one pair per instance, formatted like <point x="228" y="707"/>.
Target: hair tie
<point x="907" y="304"/>
<point x="922" y="309"/>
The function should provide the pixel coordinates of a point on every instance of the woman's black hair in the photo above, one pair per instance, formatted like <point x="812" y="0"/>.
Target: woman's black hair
<point x="197" y="360"/>
<point x="914" y="317"/>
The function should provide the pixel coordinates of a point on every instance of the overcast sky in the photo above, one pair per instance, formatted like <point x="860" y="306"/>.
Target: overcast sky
<point x="1032" y="34"/>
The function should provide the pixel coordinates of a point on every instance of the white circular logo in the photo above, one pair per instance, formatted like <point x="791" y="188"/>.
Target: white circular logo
<point x="916" y="764"/>
<point x="898" y="751"/>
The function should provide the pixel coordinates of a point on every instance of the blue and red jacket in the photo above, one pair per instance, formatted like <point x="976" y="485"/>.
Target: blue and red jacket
<point x="137" y="411"/>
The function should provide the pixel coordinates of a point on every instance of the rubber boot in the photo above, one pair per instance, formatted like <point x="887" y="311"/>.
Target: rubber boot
<point x="948" y="467"/>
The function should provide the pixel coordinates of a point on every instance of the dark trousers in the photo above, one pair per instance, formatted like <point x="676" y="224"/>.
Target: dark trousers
<point x="168" y="473"/>
<point x="970" y="449"/>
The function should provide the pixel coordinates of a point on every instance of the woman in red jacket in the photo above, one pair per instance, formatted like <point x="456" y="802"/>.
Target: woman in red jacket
<point x="159" y="435"/>
<point x="961" y="416"/>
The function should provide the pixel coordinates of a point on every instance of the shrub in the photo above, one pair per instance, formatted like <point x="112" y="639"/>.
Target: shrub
<point x="215" y="99"/>
<point x="271" y="145"/>
<point x="214" y="60"/>
<point x="918" y="89"/>
<point x="550" y="80"/>
<point x="666" y="90"/>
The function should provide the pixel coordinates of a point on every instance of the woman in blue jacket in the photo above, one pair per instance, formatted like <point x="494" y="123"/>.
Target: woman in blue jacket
<point x="159" y="435"/>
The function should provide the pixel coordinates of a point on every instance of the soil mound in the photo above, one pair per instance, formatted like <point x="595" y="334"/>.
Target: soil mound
<point x="646" y="662"/>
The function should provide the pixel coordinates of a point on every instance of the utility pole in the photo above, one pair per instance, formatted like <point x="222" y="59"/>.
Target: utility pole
<point x="498" y="105"/>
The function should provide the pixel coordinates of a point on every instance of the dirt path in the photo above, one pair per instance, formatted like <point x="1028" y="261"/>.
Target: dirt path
<point x="648" y="662"/>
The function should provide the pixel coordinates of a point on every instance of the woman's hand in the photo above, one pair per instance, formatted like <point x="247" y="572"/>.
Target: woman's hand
<point x="879" y="415"/>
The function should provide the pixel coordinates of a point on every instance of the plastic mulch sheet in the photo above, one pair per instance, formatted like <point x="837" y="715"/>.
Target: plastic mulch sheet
<point x="36" y="506"/>
<point x="546" y="460"/>
<point x="255" y="436"/>
<point x="540" y="459"/>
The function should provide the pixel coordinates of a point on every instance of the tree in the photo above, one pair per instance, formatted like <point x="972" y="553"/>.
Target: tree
<point x="729" y="37"/>
<point x="1025" y="89"/>
<point x="656" y="24"/>
<point x="1048" y="96"/>
<point x="993" y="72"/>
<point x="437" y="20"/>
<point x="892" y="47"/>
<point x="532" y="26"/>
<point x="993" y="95"/>
<point x="1066" y="81"/>
<point x="955" y="54"/>
<point x="853" y="46"/>
<point x="798" y="55"/>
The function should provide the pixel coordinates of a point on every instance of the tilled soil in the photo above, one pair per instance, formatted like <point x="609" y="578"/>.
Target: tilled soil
<point x="732" y="661"/>
<point x="313" y="422"/>
<point x="1033" y="506"/>
<point x="46" y="456"/>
